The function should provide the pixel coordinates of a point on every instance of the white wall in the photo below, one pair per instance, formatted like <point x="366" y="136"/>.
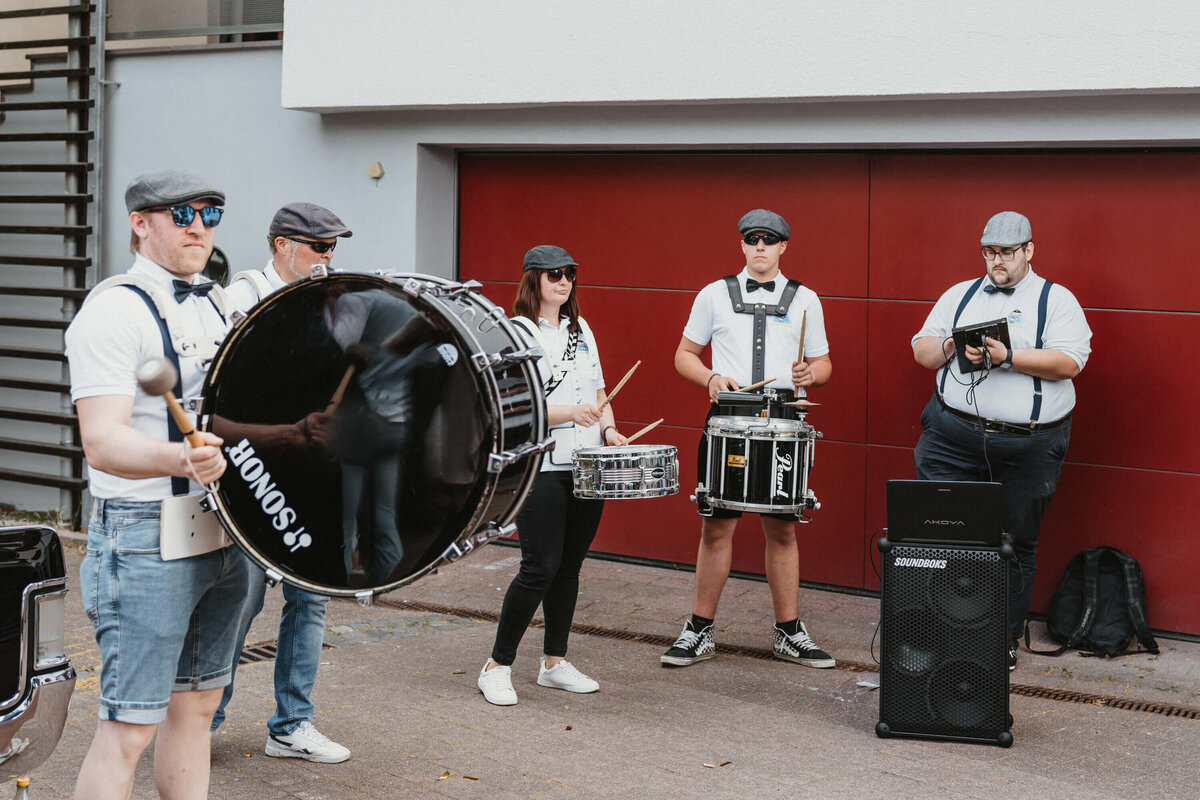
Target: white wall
<point x="342" y="55"/>
<point x="228" y="125"/>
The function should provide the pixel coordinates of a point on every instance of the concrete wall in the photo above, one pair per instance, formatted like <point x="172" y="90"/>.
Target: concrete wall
<point x="470" y="53"/>
<point x="228" y="124"/>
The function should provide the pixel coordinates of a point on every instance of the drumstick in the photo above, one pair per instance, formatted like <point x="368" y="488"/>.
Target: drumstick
<point x="359" y="356"/>
<point x="643" y="430"/>
<point x="608" y="399"/>
<point x="156" y="377"/>
<point x="803" y="324"/>
<point x="754" y="386"/>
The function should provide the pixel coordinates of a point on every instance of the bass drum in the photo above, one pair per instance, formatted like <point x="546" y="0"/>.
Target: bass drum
<point x="375" y="427"/>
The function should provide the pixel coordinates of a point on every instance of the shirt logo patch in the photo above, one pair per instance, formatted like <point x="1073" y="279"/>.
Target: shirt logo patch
<point x="1016" y="317"/>
<point x="783" y="320"/>
<point x="582" y="345"/>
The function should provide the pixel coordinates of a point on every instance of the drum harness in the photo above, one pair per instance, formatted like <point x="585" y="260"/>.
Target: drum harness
<point x="181" y="525"/>
<point x="760" y="312"/>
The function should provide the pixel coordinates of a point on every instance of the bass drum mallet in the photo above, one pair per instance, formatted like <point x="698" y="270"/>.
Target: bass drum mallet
<point x="156" y="377"/>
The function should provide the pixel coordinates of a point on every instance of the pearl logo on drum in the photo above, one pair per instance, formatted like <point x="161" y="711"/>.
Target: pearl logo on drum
<point x="783" y="468"/>
<point x="254" y="473"/>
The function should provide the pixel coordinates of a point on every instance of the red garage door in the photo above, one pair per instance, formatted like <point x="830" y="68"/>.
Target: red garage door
<point x="879" y="237"/>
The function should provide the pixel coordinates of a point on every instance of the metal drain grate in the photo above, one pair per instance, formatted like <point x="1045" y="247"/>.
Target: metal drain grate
<point x="1061" y="695"/>
<point x="1123" y="703"/>
<point x="266" y="651"/>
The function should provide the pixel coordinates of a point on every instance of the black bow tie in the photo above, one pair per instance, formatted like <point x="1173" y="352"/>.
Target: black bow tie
<point x="185" y="290"/>
<point x="753" y="285"/>
<point x="992" y="289"/>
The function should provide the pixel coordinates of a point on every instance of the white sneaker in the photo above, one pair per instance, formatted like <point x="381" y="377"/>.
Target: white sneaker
<point x="496" y="685"/>
<point x="308" y="743"/>
<point x="563" y="675"/>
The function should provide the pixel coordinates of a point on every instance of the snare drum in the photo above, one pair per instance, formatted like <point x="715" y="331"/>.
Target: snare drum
<point x="757" y="464"/>
<point x="753" y="404"/>
<point x="625" y="471"/>
<point x="375" y="427"/>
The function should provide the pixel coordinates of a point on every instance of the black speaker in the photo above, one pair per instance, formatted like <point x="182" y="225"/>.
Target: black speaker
<point x="944" y="643"/>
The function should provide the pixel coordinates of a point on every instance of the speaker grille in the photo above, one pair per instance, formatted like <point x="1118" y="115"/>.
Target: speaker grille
<point x="943" y="662"/>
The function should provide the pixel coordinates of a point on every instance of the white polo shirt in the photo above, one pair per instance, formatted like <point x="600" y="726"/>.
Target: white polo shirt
<point x="714" y="320"/>
<point x="1006" y="394"/>
<point x="582" y="378"/>
<point x="107" y="340"/>
<point x="243" y="293"/>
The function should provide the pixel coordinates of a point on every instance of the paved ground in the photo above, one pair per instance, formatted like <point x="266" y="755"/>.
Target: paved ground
<point x="398" y="688"/>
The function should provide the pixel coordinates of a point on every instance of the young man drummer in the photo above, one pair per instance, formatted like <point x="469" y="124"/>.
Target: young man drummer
<point x="748" y="347"/>
<point x="301" y="236"/>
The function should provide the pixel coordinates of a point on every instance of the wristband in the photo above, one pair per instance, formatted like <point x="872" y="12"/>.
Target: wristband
<point x="604" y="431"/>
<point x="708" y="383"/>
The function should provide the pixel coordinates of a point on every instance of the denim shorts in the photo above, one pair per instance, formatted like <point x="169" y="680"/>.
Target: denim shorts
<point x="162" y="626"/>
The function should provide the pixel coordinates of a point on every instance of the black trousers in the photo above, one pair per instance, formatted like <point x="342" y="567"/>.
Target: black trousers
<point x="556" y="529"/>
<point x="952" y="449"/>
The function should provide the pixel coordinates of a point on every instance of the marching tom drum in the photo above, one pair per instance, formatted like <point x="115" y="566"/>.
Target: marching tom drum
<point x="375" y="427"/>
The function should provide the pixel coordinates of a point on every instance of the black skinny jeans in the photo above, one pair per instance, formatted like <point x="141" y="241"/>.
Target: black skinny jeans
<point x="556" y="529"/>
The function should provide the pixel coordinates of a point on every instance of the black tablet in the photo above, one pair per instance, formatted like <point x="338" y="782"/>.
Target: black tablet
<point x="973" y="335"/>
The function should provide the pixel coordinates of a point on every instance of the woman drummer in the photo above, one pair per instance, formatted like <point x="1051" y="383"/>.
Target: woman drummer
<point x="556" y="528"/>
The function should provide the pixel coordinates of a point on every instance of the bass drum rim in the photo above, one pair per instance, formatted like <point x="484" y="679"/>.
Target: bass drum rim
<point x="485" y="381"/>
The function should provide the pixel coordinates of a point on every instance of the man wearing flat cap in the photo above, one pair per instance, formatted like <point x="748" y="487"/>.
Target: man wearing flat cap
<point x="1008" y="419"/>
<point x="755" y="322"/>
<point x="164" y="597"/>
<point x="300" y="236"/>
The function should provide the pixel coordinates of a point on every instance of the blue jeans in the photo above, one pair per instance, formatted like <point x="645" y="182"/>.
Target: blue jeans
<point x="298" y="653"/>
<point x="952" y="449"/>
<point x="161" y="626"/>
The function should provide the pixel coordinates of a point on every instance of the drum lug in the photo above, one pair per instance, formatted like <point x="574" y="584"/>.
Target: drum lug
<point x="497" y="462"/>
<point x="319" y="270"/>
<point x="414" y="287"/>
<point x="208" y="502"/>
<point x="272" y="577"/>
<point x="194" y="404"/>
<point x="237" y="318"/>
<point x="365" y="598"/>
<point x="484" y="361"/>
<point x="453" y="290"/>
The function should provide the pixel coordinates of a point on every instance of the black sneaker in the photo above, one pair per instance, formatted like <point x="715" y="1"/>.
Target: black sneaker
<point x="1012" y="655"/>
<point x="690" y="647"/>
<point x="800" y="648"/>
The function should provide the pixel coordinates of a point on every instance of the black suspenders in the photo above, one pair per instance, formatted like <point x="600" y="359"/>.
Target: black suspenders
<point x="760" y="312"/>
<point x="1043" y="303"/>
<point x="179" y="486"/>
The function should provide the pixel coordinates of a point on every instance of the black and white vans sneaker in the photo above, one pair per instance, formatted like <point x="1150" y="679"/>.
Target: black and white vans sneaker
<point x="690" y="647"/>
<point x="1012" y="655"/>
<point x="799" y="647"/>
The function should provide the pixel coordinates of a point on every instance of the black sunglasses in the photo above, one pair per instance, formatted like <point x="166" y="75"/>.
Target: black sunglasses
<point x="556" y="275"/>
<point x="182" y="216"/>
<point x="317" y="247"/>
<point x="768" y="238"/>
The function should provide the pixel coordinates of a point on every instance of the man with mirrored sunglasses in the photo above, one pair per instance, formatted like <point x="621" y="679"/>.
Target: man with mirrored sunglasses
<point x="300" y="236"/>
<point x="1010" y="419"/>
<point x="753" y="322"/>
<point x="166" y="623"/>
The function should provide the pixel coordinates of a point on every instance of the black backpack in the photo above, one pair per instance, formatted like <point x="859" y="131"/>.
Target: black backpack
<point x="1100" y="606"/>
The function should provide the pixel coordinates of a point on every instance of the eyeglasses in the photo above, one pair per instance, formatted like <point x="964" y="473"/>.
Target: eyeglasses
<point x="1004" y="254"/>
<point x="182" y="216"/>
<point x="556" y="275"/>
<point x="317" y="247"/>
<point x="767" y="238"/>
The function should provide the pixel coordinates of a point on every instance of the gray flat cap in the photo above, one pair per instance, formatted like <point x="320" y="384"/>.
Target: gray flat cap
<point x="307" y="219"/>
<point x="1007" y="229"/>
<point x="762" y="220"/>
<point x="547" y="256"/>
<point x="169" y="187"/>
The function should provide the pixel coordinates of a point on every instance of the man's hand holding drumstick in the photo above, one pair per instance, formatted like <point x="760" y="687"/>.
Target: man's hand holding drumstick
<point x="200" y="457"/>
